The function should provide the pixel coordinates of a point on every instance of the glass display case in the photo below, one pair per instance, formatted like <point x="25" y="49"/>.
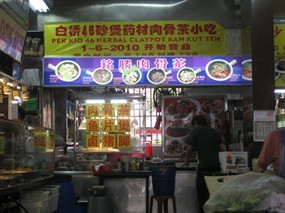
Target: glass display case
<point x="26" y="153"/>
<point x="107" y="129"/>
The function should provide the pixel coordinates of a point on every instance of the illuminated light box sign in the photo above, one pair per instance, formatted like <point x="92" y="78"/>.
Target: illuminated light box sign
<point x="134" y="38"/>
<point x="147" y="71"/>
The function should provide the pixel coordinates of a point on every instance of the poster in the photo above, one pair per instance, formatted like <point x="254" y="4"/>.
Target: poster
<point x="177" y="116"/>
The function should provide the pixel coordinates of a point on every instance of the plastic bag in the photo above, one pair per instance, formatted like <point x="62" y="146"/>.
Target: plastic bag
<point x="31" y="77"/>
<point x="249" y="192"/>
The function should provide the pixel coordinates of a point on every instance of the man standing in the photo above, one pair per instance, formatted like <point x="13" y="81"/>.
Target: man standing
<point x="207" y="142"/>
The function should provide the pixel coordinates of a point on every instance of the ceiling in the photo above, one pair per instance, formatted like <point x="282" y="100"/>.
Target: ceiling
<point x="228" y="13"/>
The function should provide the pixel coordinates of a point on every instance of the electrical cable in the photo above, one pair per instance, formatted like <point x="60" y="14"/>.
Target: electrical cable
<point x="18" y="203"/>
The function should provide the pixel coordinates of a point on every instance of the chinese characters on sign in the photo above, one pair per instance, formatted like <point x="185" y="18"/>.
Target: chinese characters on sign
<point x="108" y="125"/>
<point x="147" y="71"/>
<point x="146" y="38"/>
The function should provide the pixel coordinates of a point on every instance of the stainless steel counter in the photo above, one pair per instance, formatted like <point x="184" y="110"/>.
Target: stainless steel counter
<point x="128" y="195"/>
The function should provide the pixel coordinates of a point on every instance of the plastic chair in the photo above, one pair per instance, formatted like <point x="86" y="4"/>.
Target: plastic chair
<point x="163" y="182"/>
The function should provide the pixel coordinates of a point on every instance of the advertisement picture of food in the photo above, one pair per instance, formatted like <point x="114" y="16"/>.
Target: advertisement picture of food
<point x="131" y="76"/>
<point x="187" y="75"/>
<point x="247" y="70"/>
<point x="174" y="146"/>
<point x="101" y="76"/>
<point x="277" y="75"/>
<point x="182" y="109"/>
<point x="219" y="69"/>
<point x="175" y="130"/>
<point x="66" y="70"/>
<point x="157" y="76"/>
<point x="280" y="66"/>
<point x="212" y="106"/>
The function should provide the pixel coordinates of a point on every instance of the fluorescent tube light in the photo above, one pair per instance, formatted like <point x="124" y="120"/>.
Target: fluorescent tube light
<point x="98" y="101"/>
<point x="118" y="101"/>
<point x="39" y="5"/>
<point x="279" y="91"/>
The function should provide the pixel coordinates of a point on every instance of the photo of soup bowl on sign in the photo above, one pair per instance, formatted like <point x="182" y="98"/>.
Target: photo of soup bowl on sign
<point x="131" y="76"/>
<point x="247" y="70"/>
<point x="220" y="70"/>
<point x="280" y="66"/>
<point x="101" y="76"/>
<point x="66" y="70"/>
<point x="157" y="76"/>
<point x="187" y="75"/>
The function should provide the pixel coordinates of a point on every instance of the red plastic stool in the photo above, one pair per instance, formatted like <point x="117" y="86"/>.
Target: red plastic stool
<point x="163" y="200"/>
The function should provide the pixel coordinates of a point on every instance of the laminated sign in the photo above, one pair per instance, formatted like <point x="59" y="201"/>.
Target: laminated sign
<point x="236" y="162"/>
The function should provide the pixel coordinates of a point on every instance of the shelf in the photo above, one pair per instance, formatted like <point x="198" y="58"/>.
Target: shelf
<point x="100" y="150"/>
<point x="19" y="187"/>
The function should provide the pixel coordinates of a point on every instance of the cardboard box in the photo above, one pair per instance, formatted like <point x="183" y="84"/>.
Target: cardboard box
<point x="235" y="162"/>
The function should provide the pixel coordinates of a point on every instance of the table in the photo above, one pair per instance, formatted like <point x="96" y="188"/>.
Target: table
<point x="119" y="175"/>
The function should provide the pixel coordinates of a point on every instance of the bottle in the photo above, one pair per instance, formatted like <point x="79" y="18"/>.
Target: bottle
<point x="119" y="164"/>
<point x="141" y="164"/>
<point x="133" y="165"/>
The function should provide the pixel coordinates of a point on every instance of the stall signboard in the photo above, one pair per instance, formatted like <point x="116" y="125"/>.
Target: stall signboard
<point x="140" y="38"/>
<point x="12" y="36"/>
<point x="147" y="71"/>
<point x="279" y="44"/>
<point x="93" y="140"/>
<point x="123" y="141"/>
<point x="92" y="125"/>
<point x="108" y="140"/>
<point x="108" y="125"/>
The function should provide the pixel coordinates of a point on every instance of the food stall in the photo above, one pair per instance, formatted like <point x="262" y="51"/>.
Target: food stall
<point x="129" y="72"/>
<point x="98" y="49"/>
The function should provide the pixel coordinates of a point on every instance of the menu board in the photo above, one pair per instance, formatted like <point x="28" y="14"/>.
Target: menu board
<point x="177" y="116"/>
<point x="108" y="125"/>
<point x="147" y="71"/>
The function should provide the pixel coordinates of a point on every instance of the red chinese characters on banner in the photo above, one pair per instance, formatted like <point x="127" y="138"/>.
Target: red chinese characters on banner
<point x="124" y="125"/>
<point x="92" y="125"/>
<point x="92" y="141"/>
<point x="108" y="110"/>
<point x="123" y="140"/>
<point x="92" y="110"/>
<point x="108" y="125"/>
<point x="108" y="140"/>
<point x="124" y="110"/>
<point x="75" y="30"/>
<point x="277" y="30"/>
